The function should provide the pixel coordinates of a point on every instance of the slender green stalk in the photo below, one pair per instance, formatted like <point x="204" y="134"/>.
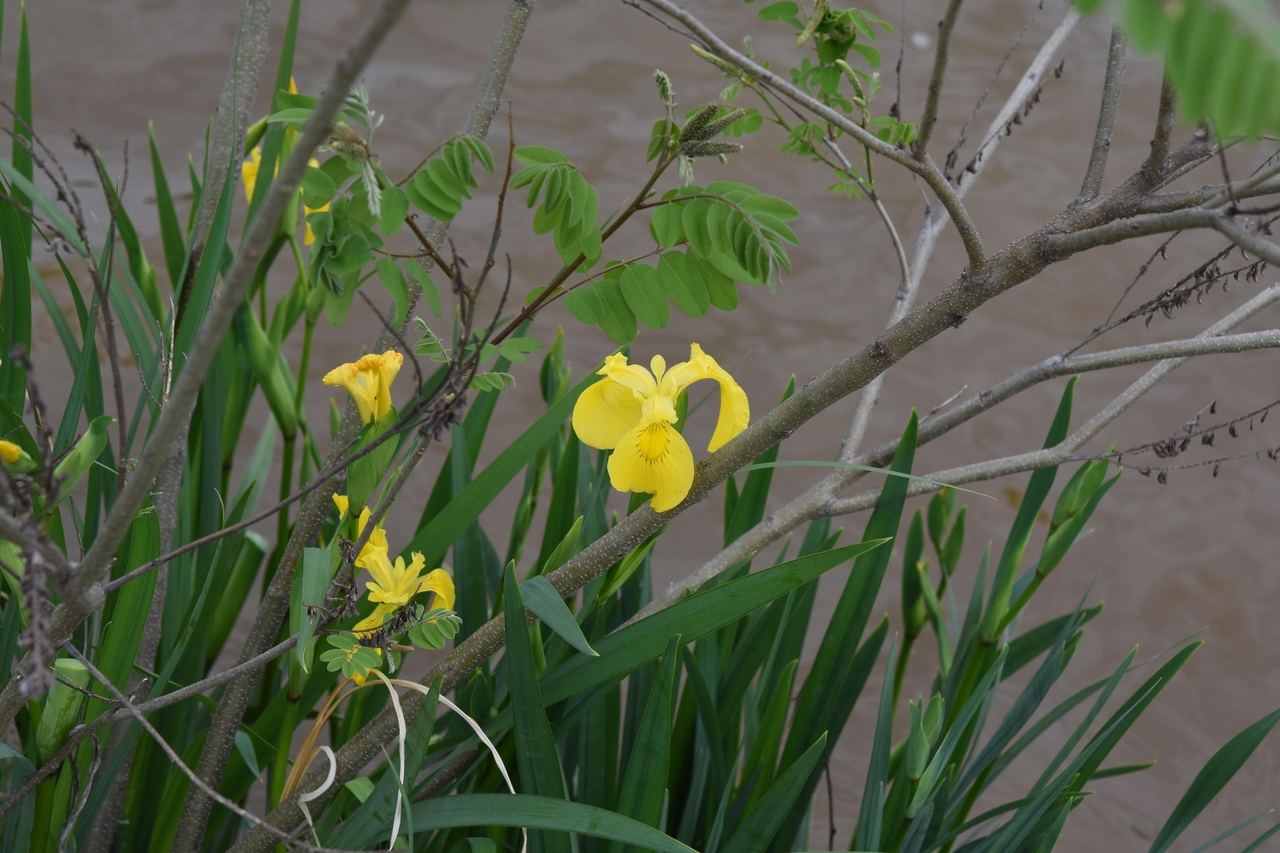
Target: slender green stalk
<point x="284" y="744"/>
<point x="308" y="333"/>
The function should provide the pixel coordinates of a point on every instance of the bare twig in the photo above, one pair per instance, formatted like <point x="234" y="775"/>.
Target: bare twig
<point x="1106" y="116"/>
<point x="177" y="761"/>
<point x="922" y="166"/>
<point x="1165" y="116"/>
<point x="85" y="731"/>
<point x="942" y="53"/>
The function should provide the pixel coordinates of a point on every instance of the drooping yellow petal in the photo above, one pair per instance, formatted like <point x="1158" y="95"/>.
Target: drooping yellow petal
<point x="374" y="620"/>
<point x="735" y="411"/>
<point x="348" y="377"/>
<point x="654" y="458"/>
<point x="340" y="501"/>
<point x="10" y="452"/>
<point x="439" y="582"/>
<point x="249" y="172"/>
<point x="391" y="363"/>
<point x="604" y="413"/>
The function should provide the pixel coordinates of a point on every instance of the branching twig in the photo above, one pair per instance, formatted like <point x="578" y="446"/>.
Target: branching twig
<point x="920" y="148"/>
<point x="177" y="761"/>
<point x="1106" y="116"/>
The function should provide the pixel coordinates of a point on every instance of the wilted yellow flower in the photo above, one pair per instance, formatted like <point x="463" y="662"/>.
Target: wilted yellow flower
<point x="368" y="381"/>
<point x="633" y="412"/>
<point x="377" y="543"/>
<point x="394" y="586"/>
<point x="249" y="177"/>
<point x="9" y="452"/>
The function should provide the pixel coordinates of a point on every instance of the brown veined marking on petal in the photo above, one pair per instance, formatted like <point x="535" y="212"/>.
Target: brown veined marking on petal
<point x="654" y="444"/>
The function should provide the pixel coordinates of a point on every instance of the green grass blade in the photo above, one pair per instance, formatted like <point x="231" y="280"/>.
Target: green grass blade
<point x="760" y="766"/>
<point x="867" y="836"/>
<point x="1111" y="684"/>
<point x="472" y="598"/>
<point x="933" y="773"/>
<point x="706" y="707"/>
<point x="1029" y="645"/>
<point x="22" y="125"/>
<point x="692" y="618"/>
<point x="821" y="690"/>
<point x="129" y="615"/>
<point x="434" y="539"/>
<point x="1138" y="702"/>
<point x="1261" y="839"/>
<point x="538" y="813"/>
<point x="854" y="677"/>
<point x="539" y="762"/>
<point x="748" y="509"/>
<point x="175" y="249"/>
<point x="1212" y="778"/>
<point x="193" y="304"/>
<point x="9" y="636"/>
<point x="15" y="305"/>
<point x="1226" y="833"/>
<point x="562" y="510"/>
<point x="1020" y="533"/>
<point x="644" y="785"/>
<point x="51" y="307"/>
<point x="759" y="827"/>
<point x="541" y="597"/>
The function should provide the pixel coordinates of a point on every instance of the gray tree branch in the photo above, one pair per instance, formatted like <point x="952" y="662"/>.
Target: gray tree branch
<point x="920" y="148"/>
<point x="1106" y="116"/>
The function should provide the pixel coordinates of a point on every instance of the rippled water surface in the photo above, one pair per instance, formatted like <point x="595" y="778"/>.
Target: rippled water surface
<point x="1195" y="556"/>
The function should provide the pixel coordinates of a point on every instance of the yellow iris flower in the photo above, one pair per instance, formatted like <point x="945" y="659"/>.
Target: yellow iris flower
<point x="377" y="543"/>
<point x="9" y="452"/>
<point x="632" y="412"/>
<point x="394" y="586"/>
<point x="249" y="170"/>
<point x="368" y="381"/>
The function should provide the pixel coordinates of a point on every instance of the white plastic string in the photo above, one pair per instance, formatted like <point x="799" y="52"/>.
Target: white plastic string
<point x="475" y="727"/>
<point x="303" y="799"/>
<point x="395" y="701"/>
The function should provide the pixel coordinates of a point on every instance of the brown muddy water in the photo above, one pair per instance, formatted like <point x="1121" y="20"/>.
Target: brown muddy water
<point x="1193" y="557"/>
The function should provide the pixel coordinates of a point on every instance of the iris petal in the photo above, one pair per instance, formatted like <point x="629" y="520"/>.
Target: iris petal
<point x="604" y="413"/>
<point x="735" y="412"/>
<point x="655" y="459"/>
<point x="439" y="582"/>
